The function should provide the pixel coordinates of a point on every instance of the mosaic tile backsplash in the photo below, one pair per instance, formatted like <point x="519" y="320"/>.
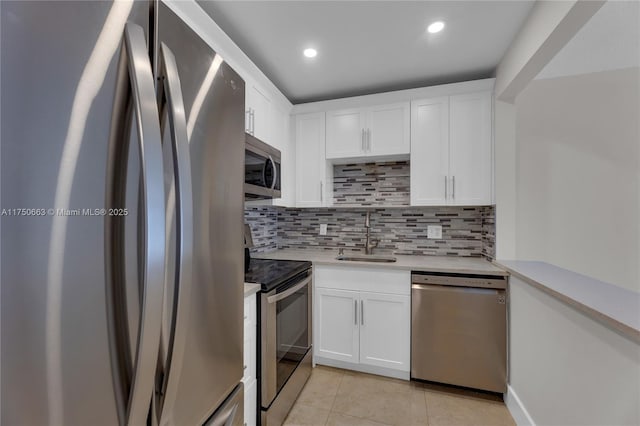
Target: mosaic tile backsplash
<point x="358" y="188"/>
<point x="466" y="231"/>
<point x="263" y="222"/>
<point x="371" y="184"/>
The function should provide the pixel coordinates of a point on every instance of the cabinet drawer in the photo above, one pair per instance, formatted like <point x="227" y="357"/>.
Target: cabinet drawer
<point x="250" y="343"/>
<point x="372" y="279"/>
<point x="250" y="310"/>
<point x="250" y="403"/>
<point x="249" y="363"/>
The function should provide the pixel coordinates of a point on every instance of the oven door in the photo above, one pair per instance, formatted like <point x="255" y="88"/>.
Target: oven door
<point x="262" y="175"/>
<point x="286" y="333"/>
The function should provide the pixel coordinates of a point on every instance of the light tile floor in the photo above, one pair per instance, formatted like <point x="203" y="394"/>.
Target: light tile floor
<point x="346" y="398"/>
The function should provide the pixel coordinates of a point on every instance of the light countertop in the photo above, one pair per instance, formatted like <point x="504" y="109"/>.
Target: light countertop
<point x="614" y="306"/>
<point x="250" y="288"/>
<point x="450" y="264"/>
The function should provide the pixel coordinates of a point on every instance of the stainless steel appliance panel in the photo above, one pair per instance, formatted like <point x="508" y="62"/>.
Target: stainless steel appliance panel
<point x="57" y="101"/>
<point x="262" y="165"/>
<point x="231" y="412"/>
<point x="458" y="335"/>
<point x="285" y="343"/>
<point x="283" y="402"/>
<point x="213" y="95"/>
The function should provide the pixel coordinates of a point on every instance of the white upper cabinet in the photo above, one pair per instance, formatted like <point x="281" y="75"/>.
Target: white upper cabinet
<point x="281" y="139"/>
<point x="383" y="130"/>
<point x="451" y="150"/>
<point x="429" y="151"/>
<point x="389" y="130"/>
<point x="470" y="148"/>
<point x="345" y="133"/>
<point x="311" y="188"/>
<point x="257" y="112"/>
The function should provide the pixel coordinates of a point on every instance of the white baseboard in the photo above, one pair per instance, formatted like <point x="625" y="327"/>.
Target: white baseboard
<point x="517" y="408"/>
<point x="380" y="371"/>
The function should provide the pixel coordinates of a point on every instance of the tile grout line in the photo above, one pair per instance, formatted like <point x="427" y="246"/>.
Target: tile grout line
<point x="334" y="398"/>
<point x="426" y="405"/>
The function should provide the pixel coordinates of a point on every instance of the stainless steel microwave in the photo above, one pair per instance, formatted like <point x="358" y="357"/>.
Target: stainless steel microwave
<point x="261" y="169"/>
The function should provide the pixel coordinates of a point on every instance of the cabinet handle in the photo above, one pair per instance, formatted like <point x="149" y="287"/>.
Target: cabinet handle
<point x="445" y="188"/>
<point x="361" y="312"/>
<point x="321" y="193"/>
<point x="453" y="189"/>
<point x="368" y="139"/>
<point x="362" y="140"/>
<point x="355" y="312"/>
<point x="253" y="121"/>
<point x="247" y="125"/>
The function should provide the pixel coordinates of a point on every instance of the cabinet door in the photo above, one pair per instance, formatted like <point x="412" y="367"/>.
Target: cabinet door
<point x="389" y="129"/>
<point x="259" y="106"/>
<point x="336" y="324"/>
<point x="310" y="160"/>
<point x="385" y="324"/>
<point x="250" y="403"/>
<point x="282" y="139"/>
<point x="429" y="151"/>
<point x="345" y="133"/>
<point x="470" y="140"/>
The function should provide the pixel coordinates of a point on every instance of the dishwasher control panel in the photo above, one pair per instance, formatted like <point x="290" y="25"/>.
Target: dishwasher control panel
<point x="459" y="280"/>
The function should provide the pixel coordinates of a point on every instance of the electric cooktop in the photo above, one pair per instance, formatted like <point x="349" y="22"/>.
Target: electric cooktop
<point x="271" y="273"/>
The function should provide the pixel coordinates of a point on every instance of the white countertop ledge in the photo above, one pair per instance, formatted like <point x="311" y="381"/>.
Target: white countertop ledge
<point x="614" y="306"/>
<point x="448" y="264"/>
<point x="250" y="288"/>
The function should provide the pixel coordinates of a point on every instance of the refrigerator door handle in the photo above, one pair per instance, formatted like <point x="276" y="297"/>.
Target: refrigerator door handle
<point x="171" y="92"/>
<point x="134" y="379"/>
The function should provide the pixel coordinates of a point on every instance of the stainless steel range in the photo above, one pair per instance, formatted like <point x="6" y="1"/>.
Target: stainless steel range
<point x="284" y="334"/>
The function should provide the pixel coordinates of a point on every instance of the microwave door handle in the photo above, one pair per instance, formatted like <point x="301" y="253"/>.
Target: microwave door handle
<point x="288" y="292"/>
<point x="137" y="374"/>
<point x="172" y="90"/>
<point x="275" y="172"/>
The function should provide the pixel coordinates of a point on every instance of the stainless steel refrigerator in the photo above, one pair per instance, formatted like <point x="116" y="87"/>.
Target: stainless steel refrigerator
<point x="122" y="150"/>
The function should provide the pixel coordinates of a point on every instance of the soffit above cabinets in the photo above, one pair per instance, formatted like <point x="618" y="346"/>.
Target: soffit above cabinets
<point x="368" y="46"/>
<point x="610" y="40"/>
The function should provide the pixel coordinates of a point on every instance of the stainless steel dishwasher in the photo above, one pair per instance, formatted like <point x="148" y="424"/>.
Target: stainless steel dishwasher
<point x="459" y="330"/>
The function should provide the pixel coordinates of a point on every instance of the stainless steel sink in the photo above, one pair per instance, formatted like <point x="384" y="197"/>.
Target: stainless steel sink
<point x="369" y="258"/>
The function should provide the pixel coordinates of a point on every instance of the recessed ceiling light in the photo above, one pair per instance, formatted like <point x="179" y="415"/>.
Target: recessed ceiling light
<point x="435" y="27"/>
<point x="310" y="53"/>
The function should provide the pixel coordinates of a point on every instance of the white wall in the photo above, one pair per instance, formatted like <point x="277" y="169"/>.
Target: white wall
<point x="549" y="26"/>
<point x="578" y="173"/>
<point x="505" y="183"/>
<point x="566" y="368"/>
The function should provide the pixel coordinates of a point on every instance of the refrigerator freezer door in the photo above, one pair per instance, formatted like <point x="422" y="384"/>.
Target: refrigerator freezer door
<point x="211" y="365"/>
<point x="231" y="412"/>
<point x="59" y="70"/>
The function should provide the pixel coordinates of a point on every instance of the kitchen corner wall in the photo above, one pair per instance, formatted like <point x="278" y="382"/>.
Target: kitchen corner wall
<point x="466" y="231"/>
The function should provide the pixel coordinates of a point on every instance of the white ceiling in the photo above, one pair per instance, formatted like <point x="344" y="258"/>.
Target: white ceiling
<point x="609" y="41"/>
<point x="369" y="46"/>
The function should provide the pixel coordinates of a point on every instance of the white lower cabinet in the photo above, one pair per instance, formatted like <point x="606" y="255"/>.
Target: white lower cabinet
<point x="250" y="359"/>
<point x="250" y="403"/>
<point x="363" y="319"/>
<point x="337" y="330"/>
<point x="385" y="330"/>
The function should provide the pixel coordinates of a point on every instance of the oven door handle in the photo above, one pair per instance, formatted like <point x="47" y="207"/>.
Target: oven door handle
<point x="288" y="292"/>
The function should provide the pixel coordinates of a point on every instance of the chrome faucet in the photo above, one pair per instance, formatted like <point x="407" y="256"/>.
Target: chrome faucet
<point x="368" y="244"/>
